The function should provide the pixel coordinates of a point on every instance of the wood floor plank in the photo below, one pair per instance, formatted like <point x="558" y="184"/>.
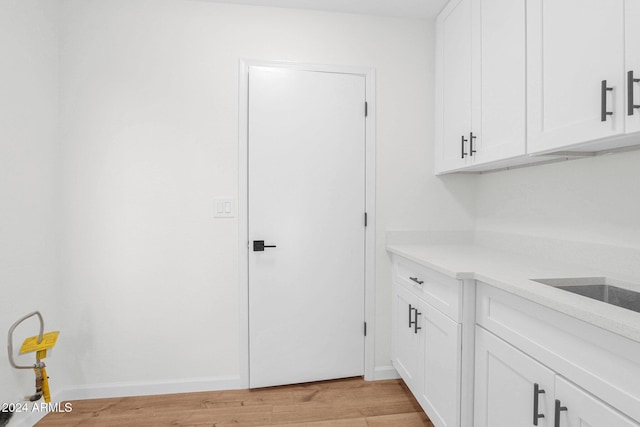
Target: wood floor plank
<point x="413" y="419"/>
<point x="350" y="402"/>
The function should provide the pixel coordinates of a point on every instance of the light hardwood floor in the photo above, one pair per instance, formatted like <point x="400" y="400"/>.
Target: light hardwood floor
<point x="349" y="402"/>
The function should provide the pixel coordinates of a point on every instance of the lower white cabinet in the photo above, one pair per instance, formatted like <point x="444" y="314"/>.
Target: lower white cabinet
<point x="512" y="390"/>
<point x="440" y="374"/>
<point x="427" y="354"/>
<point x="576" y="407"/>
<point x="536" y="366"/>
<point x="427" y="343"/>
<point x="406" y="341"/>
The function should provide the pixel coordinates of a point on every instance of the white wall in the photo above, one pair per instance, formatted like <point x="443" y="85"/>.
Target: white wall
<point x="150" y="136"/>
<point x="593" y="200"/>
<point x="28" y="156"/>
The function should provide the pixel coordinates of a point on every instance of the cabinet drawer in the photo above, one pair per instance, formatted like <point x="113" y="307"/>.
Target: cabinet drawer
<point x="442" y="292"/>
<point x="605" y="364"/>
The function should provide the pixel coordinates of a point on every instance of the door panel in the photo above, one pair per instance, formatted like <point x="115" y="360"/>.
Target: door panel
<point x="499" y="86"/>
<point x="454" y="107"/>
<point x="572" y="46"/>
<point x="504" y="387"/>
<point x="632" y="47"/>
<point x="306" y="197"/>
<point x="441" y="343"/>
<point x="584" y="410"/>
<point x="406" y="345"/>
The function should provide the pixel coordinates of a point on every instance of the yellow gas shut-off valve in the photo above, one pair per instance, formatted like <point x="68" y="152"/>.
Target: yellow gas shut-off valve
<point x="39" y="344"/>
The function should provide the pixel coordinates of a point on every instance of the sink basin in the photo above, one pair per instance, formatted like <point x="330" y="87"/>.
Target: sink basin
<point x="598" y="288"/>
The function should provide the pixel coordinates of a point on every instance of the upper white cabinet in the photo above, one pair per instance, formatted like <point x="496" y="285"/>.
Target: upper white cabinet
<point x="480" y="114"/>
<point x="453" y="89"/>
<point x="576" y="72"/>
<point x="525" y="81"/>
<point x="632" y="56"/>
<point x="499" y="85"/>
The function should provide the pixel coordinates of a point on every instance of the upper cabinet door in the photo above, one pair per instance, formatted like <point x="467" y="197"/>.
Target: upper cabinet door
<point x="576" y="76"/>
<point x="632" y="47"/>
<point x="453" y="88"/>
<point x="499" y="85"/>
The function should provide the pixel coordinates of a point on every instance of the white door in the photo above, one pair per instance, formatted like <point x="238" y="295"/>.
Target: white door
<point x="499" y="86"/>
<point x="572" y="47"/>
<point x="307" y="199"/>
<point x="453" y="105"/>
<point x="577" y="408"/>
<point x="632" y="47"/>
<point x="506" y="381"/>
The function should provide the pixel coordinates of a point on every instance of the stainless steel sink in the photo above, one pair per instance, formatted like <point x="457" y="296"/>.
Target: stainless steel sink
<point x="598" y="288"/>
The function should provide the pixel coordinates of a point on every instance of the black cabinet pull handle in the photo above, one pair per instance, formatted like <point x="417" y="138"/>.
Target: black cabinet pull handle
<point x="559" y="408"/>
<point x="603" y="101"/>
<point x="630" y="82"/>
<point x="258" y="246"/>
<point x="410" y="310"/>
<point x="415" y="279"/>
<point x="536" y="392"/>
<point x="471" y="138"/>
<point x="464" y="153"/>
<point x="415" y="322"/>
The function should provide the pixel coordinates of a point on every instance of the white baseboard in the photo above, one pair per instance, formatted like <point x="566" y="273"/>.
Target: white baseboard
<point x="103" y="391"/>
<point x="385" y="373"/>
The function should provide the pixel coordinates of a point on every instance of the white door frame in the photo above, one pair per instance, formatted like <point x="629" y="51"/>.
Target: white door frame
<point x="370" y="202"/>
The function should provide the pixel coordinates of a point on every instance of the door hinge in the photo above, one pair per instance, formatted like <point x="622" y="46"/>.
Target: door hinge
<point x="365" y="219"/>
<point x="365" y="329"/>
<point x="366" y="109"/>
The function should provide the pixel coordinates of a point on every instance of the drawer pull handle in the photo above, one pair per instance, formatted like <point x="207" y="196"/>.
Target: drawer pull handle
<point x="415" y="322"/>
<point x="410" y="310"/>
<point x="536" y="392"/>
<point x="415" y="279"/>
<point x="559" y="408"/>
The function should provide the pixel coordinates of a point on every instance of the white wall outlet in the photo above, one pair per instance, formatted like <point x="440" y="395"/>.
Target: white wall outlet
<point x="224" y="208"/>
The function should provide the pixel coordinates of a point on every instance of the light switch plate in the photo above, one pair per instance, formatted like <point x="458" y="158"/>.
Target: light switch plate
<point x="224" y="208"/>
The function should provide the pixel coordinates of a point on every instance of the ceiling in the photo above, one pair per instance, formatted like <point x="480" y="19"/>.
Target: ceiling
<point x="422" y="9"/>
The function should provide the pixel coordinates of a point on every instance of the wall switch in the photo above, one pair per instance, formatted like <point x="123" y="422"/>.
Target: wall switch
<point x="224" y="208"/>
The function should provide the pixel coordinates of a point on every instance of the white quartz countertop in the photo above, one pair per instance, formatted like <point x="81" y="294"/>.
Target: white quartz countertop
<point x="513" y="273"/>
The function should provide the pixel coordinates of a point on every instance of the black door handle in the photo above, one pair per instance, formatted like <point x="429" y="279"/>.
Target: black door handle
<point x="258" y="246"/>
<point x="410" y="311"/>
<point x="603" y="101"/>
<point x="536" y="392"/>
<point x="463" y="153"/>
<point x="559" y="408"/>
<point x="471" y="138"/>
<point x="415" y="322"/>
<point x="630" y="82"/>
